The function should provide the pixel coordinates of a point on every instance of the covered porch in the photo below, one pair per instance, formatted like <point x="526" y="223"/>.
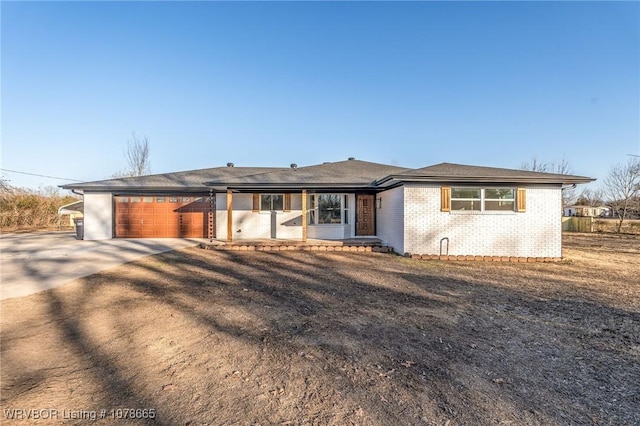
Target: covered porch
<point x="292" y="215"/>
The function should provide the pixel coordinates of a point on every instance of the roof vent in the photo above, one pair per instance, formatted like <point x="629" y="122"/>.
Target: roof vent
<point x="229" y="164"/>
<point x="352" y="158"/>
<point x="294" y="166"/>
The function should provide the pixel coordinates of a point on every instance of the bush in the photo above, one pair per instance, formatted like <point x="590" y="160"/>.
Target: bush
<point x="29" y="210"/>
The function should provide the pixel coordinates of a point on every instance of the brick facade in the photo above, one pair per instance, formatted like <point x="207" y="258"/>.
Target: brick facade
<point x="535" y="233"/>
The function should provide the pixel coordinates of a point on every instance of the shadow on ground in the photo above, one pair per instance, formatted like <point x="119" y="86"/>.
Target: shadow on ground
<point x="322" y="338"/>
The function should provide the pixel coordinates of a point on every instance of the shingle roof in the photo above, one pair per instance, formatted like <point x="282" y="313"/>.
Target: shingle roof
<point x="460" y="172"/>
<point x="341" y="174"/>
<point x="193" y="179"/>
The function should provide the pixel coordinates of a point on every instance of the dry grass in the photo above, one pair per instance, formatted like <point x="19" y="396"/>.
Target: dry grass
<point x="338" y="338"/>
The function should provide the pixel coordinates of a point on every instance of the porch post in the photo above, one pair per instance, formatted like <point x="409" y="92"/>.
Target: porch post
<point x="229" y="215"/>
<point x="304" y="215"/>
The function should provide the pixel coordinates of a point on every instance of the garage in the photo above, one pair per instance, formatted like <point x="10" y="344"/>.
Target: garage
<point x="164" y="216"/>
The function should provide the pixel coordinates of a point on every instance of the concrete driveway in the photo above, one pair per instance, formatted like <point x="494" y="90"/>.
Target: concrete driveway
<point x="34" y="262"/>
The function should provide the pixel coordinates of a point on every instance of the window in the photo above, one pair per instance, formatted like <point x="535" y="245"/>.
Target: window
<point x="499" y="199"/>
<point x="123" y="199"/>
<point x="173" y="199"/>
<point x="271" y="202"/>
<point x="346" y="209"/>
<point x="328" y="209"/>
<point x="466" y="198"/>
<point x="159" y="199"/>
<point x="483" y="199"/>
<point x="186" y="199"/>
<point x="135" y="199"/>
<point x="147" y="199"/>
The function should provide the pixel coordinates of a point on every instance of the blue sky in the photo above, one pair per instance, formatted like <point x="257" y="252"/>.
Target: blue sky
<point x="269" y="84"/>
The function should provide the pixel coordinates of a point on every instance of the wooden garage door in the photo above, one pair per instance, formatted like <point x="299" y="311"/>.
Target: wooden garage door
<point x="164" y="216"/>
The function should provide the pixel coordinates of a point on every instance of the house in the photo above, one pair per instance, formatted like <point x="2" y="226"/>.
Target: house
<point x="69" y="212"/>
<point x="477" y="211"/>
<point x="588" y="211"/>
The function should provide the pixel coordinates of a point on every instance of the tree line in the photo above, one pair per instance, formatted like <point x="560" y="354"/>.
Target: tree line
<point x="619" y="190"/>
<point x="28" y="209"/>
<point x="22" y="208"/>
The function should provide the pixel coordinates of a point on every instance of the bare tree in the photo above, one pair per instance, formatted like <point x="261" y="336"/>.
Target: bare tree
<point x="591" y="198"/>
<point x="622" y="189"/>
<point x="562" y="168"/>
<point x="137" y="155"/>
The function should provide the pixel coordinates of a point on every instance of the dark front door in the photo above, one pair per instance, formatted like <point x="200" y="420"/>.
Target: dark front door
<point x="365" y="214"/>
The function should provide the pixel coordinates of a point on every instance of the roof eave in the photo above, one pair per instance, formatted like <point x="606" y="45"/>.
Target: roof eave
<point x="301" y="186"/>
<point x="485" y="179"/>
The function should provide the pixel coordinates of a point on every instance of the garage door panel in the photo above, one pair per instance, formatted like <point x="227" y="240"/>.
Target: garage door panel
<point x="162" y="216"/>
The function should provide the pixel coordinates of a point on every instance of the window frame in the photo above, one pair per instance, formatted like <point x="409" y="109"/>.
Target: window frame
<point x="484" y="199"/>
<point x="271" y="203"/>
<point x="313" y="213"/>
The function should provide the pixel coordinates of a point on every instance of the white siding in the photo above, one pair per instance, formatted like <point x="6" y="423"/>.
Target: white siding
<point x="329" y="232"/>
<point x="390" y="218"/>
<point x="98" y="216"/>
<point x="248" y="224"/>
<point x="534" y="233"/>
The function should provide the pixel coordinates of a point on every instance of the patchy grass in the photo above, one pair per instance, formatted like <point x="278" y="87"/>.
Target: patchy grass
<point x="208" y="337"/>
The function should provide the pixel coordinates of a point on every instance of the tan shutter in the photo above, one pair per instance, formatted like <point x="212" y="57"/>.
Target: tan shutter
<point x="287" y="202"/>
<point x="445" y="199"/>
<point x="256" y="202"/>
<point x="521" y="200"/>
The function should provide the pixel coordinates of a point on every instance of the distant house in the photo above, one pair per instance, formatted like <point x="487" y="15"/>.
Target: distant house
<point x="588" y="211"/>
<point x="69" y="212"/>
<point x="481" y="211"/>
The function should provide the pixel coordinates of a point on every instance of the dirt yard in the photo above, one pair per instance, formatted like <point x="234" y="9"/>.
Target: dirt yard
<point x="206" y="337"/>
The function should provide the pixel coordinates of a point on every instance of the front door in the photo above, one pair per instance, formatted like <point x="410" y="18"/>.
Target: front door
<point x="365" y="215"/>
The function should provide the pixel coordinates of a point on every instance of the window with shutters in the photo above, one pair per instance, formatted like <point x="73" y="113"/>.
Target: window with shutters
<point x="271" y="202"/>
<point x="485" y="199"/>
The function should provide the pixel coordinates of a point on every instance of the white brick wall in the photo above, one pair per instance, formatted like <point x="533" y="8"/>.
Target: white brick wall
<point x="98" y="216"/>
<point x="390" y="218"/>
<point x="535" y="233"/>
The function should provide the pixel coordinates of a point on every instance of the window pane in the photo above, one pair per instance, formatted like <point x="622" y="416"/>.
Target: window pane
<point x="265" y="202"/>
<point x="329" y="208"/>
<point x="159" y="199"/>
<point x="312" y="217"/>
<point x="465" y="192"/>
<point x="186" y="199"/>
<point x="499" y="205"/>
<point x="465" y="205"/>
<point x="135" y="199"/>
<point x="346" y="210"/>
<point x="499" y="193"/>
<point x="173" y="199"/>
<point x="277" y="202"/>
<point x="123" y="199"/>
<point x="147" y="199"/>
